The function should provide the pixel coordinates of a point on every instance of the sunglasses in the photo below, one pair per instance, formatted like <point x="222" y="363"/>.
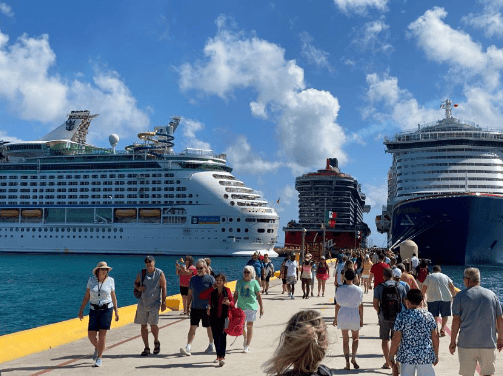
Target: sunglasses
<point x="200" y="268"/>
<point x="148" y="261"/>
<point x="247" y="272"/>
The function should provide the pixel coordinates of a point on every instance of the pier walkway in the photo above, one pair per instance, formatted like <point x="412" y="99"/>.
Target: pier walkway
<point x="124" y="346"/>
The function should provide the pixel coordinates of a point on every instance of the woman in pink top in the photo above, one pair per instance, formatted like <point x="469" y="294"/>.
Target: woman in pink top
<point x="185" y="272"/>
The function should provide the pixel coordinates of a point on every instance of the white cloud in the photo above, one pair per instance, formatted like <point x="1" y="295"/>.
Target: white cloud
<point x="33" y="93"/>
<point x="189" y="128"/>
<point x="6" y="10"/>
<point x="244" y="160"/>
<point x="5" y="137"/>
<point x="377" y="195"/>
<point x="457" y="49"/>
<point x="304" y="119"/>
<point x="374" y="36"/>
<point x="360" y="6"/>
<point x="289" y="196"/>
<point x="489" y="20"/>
<point x="312" y="54"/>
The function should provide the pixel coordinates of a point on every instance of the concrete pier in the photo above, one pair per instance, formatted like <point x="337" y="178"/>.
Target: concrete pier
<point x="124" y="346"/>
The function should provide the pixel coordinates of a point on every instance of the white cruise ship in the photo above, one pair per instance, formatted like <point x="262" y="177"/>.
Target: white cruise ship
<point x="60" y="194"/>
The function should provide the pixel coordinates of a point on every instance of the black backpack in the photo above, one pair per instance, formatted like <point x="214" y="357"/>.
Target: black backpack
<point x="390" y="302"/>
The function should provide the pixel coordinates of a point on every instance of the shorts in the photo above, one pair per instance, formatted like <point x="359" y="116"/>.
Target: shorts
<point x="251" y="315"/>
<point x="146" y="316"/>
<point x="385" y="328"/>
<point x="468" y="358"/>
<point x="197" y="315"/>
<point x="440" y="308"/>
<point x="291" y="280"/>
<point x="366" y="276"/>
<point x="283" y="280"/>
<point x="422" y="369"/>
<point x="100" y="319"/>
<point x="266" y="278"/>
<point x="184" y="290"/>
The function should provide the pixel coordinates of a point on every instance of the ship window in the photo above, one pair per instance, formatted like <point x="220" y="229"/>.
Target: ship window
<point x="246" y="230"/>
<point x="223" y="230"/>
<point x="232" y="203"/>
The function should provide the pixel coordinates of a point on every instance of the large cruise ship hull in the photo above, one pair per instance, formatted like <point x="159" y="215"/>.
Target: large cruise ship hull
<point x="452" y="229"/>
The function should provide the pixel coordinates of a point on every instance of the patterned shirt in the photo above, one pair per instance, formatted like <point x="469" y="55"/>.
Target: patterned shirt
<point x="416" y="346"/>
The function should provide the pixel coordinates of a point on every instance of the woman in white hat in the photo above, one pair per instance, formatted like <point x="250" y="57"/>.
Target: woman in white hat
<point x="100" y="293"/>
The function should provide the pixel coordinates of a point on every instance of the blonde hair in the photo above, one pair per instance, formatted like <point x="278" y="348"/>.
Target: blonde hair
<point x="302" y="345"/>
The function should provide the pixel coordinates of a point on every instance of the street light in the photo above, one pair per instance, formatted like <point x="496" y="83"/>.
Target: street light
<point x="304" y="231"/>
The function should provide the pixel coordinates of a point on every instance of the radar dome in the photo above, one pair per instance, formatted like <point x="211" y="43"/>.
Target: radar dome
<point x="407" y="248"/>
<point x="114" y="140"/>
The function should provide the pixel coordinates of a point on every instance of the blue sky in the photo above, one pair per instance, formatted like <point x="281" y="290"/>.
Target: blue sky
<point x="277" y="85"/>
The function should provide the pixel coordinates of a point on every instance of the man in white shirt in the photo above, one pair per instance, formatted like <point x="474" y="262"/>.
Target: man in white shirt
<point x="414" y="261"/>
<point x="439" y="297"/>
<point x="292" y="275"/>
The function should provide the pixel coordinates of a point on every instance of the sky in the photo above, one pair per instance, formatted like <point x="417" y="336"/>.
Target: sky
<point x="279" y="86"/>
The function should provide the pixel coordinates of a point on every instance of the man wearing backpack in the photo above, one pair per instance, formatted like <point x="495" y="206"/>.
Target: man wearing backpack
<point x="388" y="299"/>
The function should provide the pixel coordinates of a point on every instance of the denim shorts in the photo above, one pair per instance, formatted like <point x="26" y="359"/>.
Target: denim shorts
<point x="440" y="308"/>
<point x="100" y="319"/>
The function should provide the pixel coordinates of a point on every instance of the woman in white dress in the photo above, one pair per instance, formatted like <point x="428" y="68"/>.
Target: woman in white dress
<point x="349" y="315"/>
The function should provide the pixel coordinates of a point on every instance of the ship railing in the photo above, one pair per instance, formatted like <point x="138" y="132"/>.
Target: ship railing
<point x="487" y="134"/>
<point x="198" y="152"/>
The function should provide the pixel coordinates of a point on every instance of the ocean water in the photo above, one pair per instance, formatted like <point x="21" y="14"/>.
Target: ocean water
<point x="41" y="289"/>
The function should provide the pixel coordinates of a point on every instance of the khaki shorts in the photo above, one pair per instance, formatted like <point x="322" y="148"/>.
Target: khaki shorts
<point x="468" y="358"/>
<point x="146" y="316"/>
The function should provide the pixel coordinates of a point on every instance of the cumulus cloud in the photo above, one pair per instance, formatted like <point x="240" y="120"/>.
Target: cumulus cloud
<point x="6" y="10"/>
<point x="289" y="196"/>
<point x="456" y="48"/>
<point x="377" y="195"/>
<point x="312" y="54"/>
<point x="33" y="93"/>
<point x="189" y="129"/>
<point x="374" y="36"/>
<point x="489" y="20"/>
<point x="388" y="102"/>
<point x="305" y="119"/>
<point x="244" y="160"/>
<point x="360" y="7"/>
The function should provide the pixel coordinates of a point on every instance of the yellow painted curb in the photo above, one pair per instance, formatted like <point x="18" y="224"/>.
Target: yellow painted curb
<point x="31" y="341"/>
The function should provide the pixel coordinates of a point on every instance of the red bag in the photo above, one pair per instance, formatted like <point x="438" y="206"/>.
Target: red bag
<point x="237" y="320"/>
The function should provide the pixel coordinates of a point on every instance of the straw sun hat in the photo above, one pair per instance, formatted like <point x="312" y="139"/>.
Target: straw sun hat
<point x="102" y="265"/>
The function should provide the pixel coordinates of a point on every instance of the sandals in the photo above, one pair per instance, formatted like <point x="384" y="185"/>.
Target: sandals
<point x="157" y="347"/>
<point x="145" y="352"/>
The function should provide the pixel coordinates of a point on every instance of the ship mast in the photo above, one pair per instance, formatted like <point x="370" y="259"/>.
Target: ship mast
<point x="447" y="105"/>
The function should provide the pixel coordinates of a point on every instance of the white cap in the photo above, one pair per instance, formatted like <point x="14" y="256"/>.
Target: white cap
<point x="397" y="273"/>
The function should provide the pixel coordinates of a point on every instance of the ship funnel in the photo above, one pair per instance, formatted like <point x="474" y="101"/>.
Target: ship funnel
<point x="332" y="164"/>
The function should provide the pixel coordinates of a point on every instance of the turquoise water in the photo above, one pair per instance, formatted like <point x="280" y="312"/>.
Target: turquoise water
<point x="44" y="289"/>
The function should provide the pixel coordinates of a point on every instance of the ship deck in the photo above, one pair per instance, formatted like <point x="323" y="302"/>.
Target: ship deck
<point x="124" y="345"/>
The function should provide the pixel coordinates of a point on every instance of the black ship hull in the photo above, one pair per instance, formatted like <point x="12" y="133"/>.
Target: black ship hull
<point x="456" y="229"/>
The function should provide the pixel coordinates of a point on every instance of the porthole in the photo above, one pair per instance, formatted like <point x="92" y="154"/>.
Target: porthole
<point x="232" y="203"/>
<point x="246" y="230"/>
<point x="223" y="230"/>
<point x="238" y="230"/>
<point x="223" y="220"/>
<point x="226" y="196"/>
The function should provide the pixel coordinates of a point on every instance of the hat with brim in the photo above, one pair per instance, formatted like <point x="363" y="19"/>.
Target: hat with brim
<point x="397" y="273"/>
<point x="101" y="265"/>
<point x="322" y="257"/>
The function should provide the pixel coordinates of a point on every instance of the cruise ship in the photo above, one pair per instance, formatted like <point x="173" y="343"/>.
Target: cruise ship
<point x="445" y="191"/>
<point x="61" y="194"/>
<point x="331" y="207"/>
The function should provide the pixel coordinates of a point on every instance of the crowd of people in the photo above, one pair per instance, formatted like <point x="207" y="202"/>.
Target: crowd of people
<point x="407" y="298"/>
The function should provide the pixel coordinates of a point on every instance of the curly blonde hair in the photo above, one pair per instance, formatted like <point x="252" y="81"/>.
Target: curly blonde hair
<point x="302" y="345"/>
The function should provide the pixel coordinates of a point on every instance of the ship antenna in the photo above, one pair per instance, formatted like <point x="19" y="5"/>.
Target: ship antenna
<point x="448" y="109"/>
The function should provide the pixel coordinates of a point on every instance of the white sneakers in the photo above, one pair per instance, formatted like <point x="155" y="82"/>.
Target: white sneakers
<point x="98" y="362"/>
<point x="185" y="351"/>
<point x="246" y="349"/>
<point x="210" y="349"/>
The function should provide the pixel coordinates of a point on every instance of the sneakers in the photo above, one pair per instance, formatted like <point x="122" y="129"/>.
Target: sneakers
<point x="216" y="360"/>
<point x="221" y="362"/>
<point x="185" y="351"/>
<point x="246" y="349"/>
<point x="210" y="349"/>
<point x="98" y="362"/>
<point x="292" y="297"/>
<point x="95" y="356"/>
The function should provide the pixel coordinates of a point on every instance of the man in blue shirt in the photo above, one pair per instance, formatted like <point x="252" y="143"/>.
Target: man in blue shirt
<point x="198" y="307"/>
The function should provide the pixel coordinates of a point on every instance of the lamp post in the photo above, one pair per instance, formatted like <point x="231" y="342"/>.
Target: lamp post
<point x="304" y="231"/>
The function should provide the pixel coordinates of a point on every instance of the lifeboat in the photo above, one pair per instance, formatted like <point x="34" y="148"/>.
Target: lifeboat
<point x="9" y="213"/>
<point x="150" y="213"/>
<point x="125" y="213"/>
<point x="31" y="213"/>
